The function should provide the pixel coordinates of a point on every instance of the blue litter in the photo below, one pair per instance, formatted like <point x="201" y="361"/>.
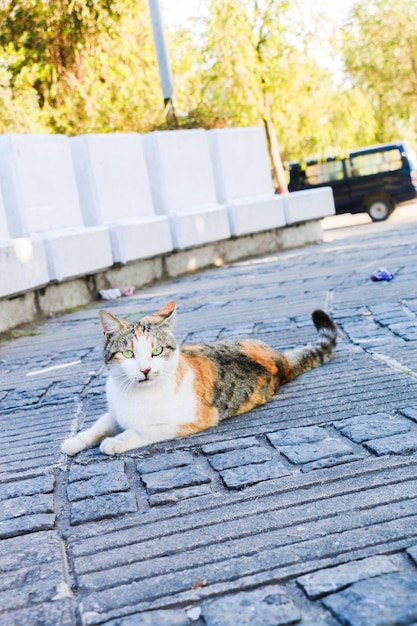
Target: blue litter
<point x="382" y="274"/>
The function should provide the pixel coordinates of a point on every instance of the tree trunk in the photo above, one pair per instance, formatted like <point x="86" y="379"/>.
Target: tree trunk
<point x="278" y="173"/>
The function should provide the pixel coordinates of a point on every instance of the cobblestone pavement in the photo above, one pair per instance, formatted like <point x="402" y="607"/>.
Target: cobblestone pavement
<point x="301" y="512"/>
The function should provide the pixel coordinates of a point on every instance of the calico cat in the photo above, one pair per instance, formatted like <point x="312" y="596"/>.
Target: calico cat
<point x="157" y="391"/>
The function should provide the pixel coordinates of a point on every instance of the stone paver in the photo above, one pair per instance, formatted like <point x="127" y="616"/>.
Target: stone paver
<point x="253" y="608"/>
<point x="389" y="599"/>
<point x="324" y="582"/>
<point x="366" y="427"/>
<point x="303" y="511"/>
<point x="174" y="478"/>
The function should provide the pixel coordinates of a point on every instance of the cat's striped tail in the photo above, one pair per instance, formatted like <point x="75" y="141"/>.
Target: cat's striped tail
<point x="304" y="358"/>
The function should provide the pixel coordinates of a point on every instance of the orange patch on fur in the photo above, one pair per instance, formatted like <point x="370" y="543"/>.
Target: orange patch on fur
<point x="139" y="332"/>
<point x="182" y="368"/>
<point x="196" y="427"/>
<point x="262" y="354"/>
<point x="161" y="315"/>
<point x="264" y="391"/>
<point x="256" y="399"/>
<point x="205" y="378"/>
<point x="289" y="371"/>
<point x="290" y="368"/>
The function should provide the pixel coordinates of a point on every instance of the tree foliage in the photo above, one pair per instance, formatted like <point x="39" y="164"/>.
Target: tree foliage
<point x="380" y="51"/>
<point x="254" y="61"/>
<point x="77" y="66"/>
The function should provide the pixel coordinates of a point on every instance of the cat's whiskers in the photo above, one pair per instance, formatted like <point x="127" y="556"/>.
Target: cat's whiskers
<point x="125" y="385"/>
<point x="125" y="381"/>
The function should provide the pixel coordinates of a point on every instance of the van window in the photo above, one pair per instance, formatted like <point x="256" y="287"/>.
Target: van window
<point x="322" y="172"/>
<point x="375" y="162"/>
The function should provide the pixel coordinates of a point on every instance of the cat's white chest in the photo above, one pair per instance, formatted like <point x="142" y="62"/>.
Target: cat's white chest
<point x="160" y="404"/>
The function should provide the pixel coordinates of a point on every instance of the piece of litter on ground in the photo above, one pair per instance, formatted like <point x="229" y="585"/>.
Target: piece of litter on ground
<point x="194" y="613"/>
<point x="63" y="592"/>
<point x="110" y="294"/>
<point x="113" y="294"/>
<point x="381" y="274"/>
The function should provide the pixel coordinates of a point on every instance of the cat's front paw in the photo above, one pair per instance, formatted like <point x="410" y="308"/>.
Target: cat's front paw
<point x="112" y="446"/>
<point x="72" y="446"/>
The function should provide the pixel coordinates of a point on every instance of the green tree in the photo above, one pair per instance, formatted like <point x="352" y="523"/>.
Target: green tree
<point x="238" y="44"/>
<point x="50" y="36"/>
<point x="380" y="49"/>
<point x="119" y="89"/>
<point x="77" y="66"/>
<point x="255" y="62"/>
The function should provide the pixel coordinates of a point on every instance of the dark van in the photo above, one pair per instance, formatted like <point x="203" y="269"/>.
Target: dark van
<point x="372" y="180"/>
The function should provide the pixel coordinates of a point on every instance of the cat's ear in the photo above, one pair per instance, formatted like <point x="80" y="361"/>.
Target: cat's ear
<point x="167" y="313"/>
<point x="110" y="323"/>
<point x="165" y="316"/>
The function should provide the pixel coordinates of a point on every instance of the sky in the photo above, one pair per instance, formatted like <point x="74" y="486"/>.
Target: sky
<point x="176" y="11"/>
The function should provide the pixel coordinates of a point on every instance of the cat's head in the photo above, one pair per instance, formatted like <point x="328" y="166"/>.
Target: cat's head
<point x="140" y="352"/>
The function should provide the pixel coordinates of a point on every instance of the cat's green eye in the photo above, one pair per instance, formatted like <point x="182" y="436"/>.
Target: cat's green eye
<point x="157" y="351"/>
<point x="128" y="354"/>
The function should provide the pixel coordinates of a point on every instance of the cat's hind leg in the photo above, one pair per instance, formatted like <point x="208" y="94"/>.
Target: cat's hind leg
<point x="91" y="437"/>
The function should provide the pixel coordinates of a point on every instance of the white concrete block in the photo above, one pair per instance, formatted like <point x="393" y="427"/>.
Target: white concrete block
<point x="76" y="252"/>
<point x="243" y="179"/>
<point x="114" y="190"/>
<point x="308" y="204"/>
<point x="199" y="227"/>
<point x="140" y="238"/>
<point x="38" y="183"/>
<point x="4" y="229"/>
<point x="256" y="214"/>
<point x="23" y="265"/>
<point x="182" y="184"/>
<point x="41" y="198"/>
<point x="22" y="261"/>
<point x="240" y="162"/>
<point x="112" y="178"/>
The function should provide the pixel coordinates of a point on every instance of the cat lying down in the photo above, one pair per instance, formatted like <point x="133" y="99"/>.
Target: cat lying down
<point x="157" y="390"/>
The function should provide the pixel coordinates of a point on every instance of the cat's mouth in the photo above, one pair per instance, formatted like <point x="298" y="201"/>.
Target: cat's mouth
<point x="147" y="380"/>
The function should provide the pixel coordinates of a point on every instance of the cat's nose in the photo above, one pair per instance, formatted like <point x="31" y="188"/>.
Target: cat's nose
<point x="145" y="372"/>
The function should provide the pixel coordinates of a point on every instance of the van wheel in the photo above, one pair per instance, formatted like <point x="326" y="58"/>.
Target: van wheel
<point x="379" y="208"/>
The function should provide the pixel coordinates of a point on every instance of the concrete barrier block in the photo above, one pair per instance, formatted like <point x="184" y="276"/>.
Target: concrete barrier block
<point x="182" y="184"/>
<point x="111" y="176"/>
<point x="114" y="190"/>
<point x="4" y="229"/>
<point x="77" y="252"/>
<point x="41" y="199"/>
<point x="140" y="238"/>
<point x="308" y="204"/>
<point x="243" y="179"/>
<point x="199" y="227"/>
<point x="240" y="163"/>
<point x="256" y="214"/>
<point x="23" y="265"/>
<point x="38" y="183"/>
<point x="22" y="261"/>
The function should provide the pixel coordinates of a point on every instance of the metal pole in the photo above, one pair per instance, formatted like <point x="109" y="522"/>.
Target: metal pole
<point x="162" y="56"/>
